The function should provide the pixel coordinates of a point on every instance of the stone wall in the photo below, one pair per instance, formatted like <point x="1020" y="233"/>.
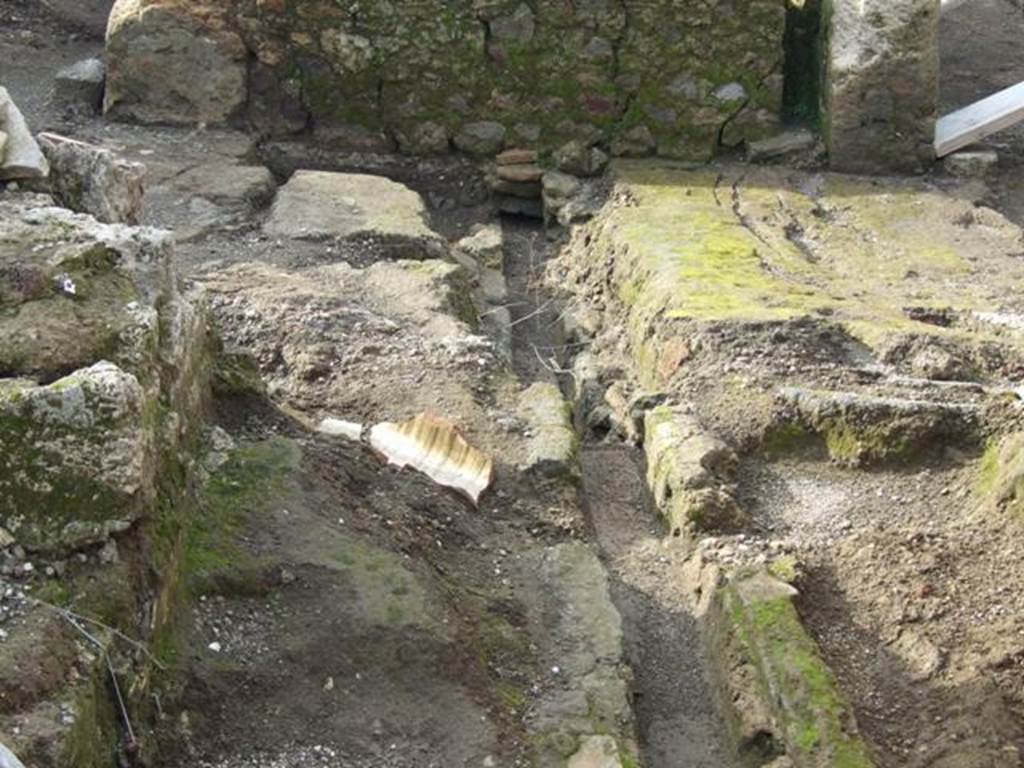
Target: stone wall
<point x="675" y="77"/>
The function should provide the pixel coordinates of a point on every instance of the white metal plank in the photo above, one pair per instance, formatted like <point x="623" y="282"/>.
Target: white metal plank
<point x="981" y="119"/>
<point x="949" y="5"/>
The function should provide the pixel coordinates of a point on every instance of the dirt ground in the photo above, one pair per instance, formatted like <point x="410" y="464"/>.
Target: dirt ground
<point x="981" y="54"/>
<point x="354" y="615"/>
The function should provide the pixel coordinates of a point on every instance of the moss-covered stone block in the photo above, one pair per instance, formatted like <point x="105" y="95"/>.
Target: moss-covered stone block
<point x="690" y="472"/>
<point x="553" y="443"/>
<point x="78" y="457"/>
<point x="1001" y="473"/>
<point x="706" y="246"/>
<point x="770" y="656"/>
<point x="859" y="429"/>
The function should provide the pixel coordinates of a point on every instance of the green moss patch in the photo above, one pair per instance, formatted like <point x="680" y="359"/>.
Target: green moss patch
<point x="1001" y="473"/>
<point x="257" y="476"/>
<point x="763" y="244"/>
<point x="813" y="719"/>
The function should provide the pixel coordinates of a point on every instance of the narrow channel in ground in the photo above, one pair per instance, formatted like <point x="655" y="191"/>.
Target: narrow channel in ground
<point x="673" y="699"/>
<point x="674" y="702"/>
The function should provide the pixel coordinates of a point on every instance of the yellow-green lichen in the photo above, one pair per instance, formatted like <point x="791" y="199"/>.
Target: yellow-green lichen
<point x="755" y="245"/>
<point x="815" y="720"/>
<point x="255" y="477"/>
<point x="1001" y="473"/>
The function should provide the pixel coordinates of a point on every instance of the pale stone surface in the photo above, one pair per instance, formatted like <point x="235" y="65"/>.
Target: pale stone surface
<point x="80" y="86"/>
<point x="97" y="334"/>
<point x="82" y="290"/>
<point x="552" y="439"/>
<point x="78" y="449"/>
<point x="972" y="163"/>
<point x="596" y="752"/>
<point x="786" y="146"/>
<point x="317" y="205"/>
<point x="882" y="84"/>
<point x="93" y="180"/>
<point x="481" y="255"/>
<point x="22" y="158"/>
<point x="689" y="471"/>
<point x="485" y="244"/>
<point x="169" y="64"/>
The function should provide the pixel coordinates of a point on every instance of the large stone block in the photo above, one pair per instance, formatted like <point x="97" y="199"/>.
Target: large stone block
<point x="173" y="62"/>
<point x="381" y="214"/>
<point x="77" y="457"/>
<point x="881" y="84"/>
<point x="93" y="180"/>
<point x="103" y="364"/>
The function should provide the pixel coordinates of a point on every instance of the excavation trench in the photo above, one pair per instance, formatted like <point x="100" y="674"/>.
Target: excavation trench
<point x="674" y="702"/>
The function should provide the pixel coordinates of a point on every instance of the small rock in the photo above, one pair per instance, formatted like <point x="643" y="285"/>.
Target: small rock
<point x="215" y="647"/>
<point x="520" y="173"/>
<point x="108" y="554"/>
<point x="525" y="190"/>
<point x="517" y="27"/>
<point x="428" y="138"/>
<point x="93" y="180"/>
<point x="485" y="245"/>
<point x="636" y="142"/>
<point x="781" y="147"/>
<point x="80" y="86"/>
<point x="580" y="159"/>
<point x="480" y="139"/>
<point x="560" y="186"/>
<point x="517" y="157"/>
<point x="971" y="163"/>
<point x="731" y="92"/>
<point x="22" y="158"/>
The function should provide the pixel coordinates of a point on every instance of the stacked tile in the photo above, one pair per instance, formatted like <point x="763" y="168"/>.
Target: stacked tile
<point x="517" y="183"/>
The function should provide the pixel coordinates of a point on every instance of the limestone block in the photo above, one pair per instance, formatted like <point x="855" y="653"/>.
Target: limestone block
<point x="344" y="206"/>
<point x="173" y="63"/>
<point x="21" y="158"/>
<point x="93" y="180"/>
<point x="882" y="84"/>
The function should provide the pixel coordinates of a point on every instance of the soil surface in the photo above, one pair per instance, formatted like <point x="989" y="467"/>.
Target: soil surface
<point x="675" y="702"/>
<point x="980" y="55"/>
